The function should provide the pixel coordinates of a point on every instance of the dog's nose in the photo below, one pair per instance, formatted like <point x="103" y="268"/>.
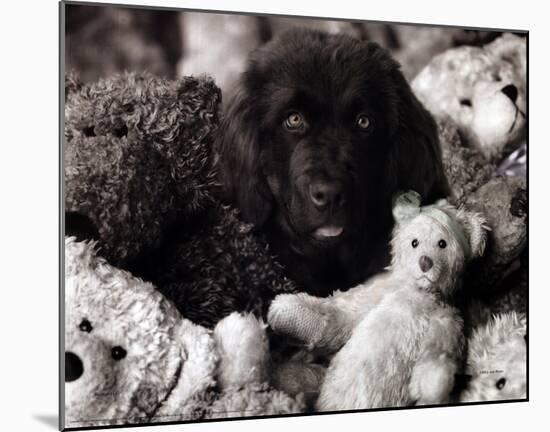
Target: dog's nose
<point x="511" y="91"/>
<point x="73" y="367"/>
<point x="323" y="193"/>
<point x="425" y="263"/>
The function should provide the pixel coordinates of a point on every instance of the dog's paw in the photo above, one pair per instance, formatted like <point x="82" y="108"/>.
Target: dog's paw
<point x="298" y="317"/>
<point x="432" y="382"/>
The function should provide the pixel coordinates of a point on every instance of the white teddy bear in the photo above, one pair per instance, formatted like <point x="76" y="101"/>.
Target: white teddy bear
<point x="399" y="337"/>
<point x="130" y="357"/>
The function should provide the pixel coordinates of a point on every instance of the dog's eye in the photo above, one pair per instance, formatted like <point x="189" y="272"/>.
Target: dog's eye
<point x="442" y="244"/>
<point x="414" y="243"/>
<point x="363" y="122"/>
<point x="501" y="383"/>
<point x="294" y="121"/>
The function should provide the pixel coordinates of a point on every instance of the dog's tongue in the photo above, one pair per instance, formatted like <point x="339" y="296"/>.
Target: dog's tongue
<point x="328" y="231"/>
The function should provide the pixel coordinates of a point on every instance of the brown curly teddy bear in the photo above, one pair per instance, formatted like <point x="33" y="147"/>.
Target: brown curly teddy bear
<point x="137" y="158"/>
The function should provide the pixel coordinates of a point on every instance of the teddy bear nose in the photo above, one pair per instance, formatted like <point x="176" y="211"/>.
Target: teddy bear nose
<point x="73" y="367"/>
<point x="426" y="263"/>
<point x="511" y="91"/>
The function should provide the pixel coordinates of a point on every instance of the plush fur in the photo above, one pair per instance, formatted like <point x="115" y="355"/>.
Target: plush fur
<point x="497" y="360"/>
<point x="272" y="172"/>
<point x="130" y="357"/>
<point x="504" y="202"/>
<point x="216" y="266"/>
<point x="138" y="156"/>
<point x="512" y="295"/>
<point x="399" y="336"/>
<point x="466" y="168"/>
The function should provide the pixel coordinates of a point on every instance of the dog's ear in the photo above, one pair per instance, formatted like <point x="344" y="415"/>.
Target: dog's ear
<point x="418" y="153"/>
<point x="240" y="165"/>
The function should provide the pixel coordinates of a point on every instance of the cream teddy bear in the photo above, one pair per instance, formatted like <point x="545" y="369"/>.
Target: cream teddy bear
<point x="483" y="90"/>
<point x="130" y="357"/>
<point x="398" y="337"/>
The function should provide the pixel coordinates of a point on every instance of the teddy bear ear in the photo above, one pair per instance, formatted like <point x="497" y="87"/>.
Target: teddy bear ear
<point x="201" y="93"/>
<point x="476" y="230"/>
<point x="406" y="205"/>
<point x="199" y="360"/>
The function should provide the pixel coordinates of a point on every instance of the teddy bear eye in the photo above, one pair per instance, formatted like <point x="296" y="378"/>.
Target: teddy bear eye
<point x="414" y="243"/>
<point x="89" y="131"/>
<point x="442" y="244"/>
<point x="121" y="131"/>
<point x="85" y="326"/>
<point x="501" y="383"/>
<point x="118" y="353"/>
<point x="465" y="102"/>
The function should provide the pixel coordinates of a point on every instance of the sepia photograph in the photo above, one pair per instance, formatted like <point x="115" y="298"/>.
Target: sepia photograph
<point x="272" y="215"/>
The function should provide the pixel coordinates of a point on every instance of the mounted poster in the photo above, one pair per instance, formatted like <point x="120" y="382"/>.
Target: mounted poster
<point x="271" y="215"/>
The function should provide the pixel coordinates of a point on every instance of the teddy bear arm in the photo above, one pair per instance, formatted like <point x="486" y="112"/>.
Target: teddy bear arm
<point x="432" y="378"/>
<point x="318" y="323"/>
<point x="197" y="374"/>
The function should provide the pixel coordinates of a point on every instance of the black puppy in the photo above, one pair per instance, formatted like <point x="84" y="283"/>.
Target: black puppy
<point x="323" y="130"/>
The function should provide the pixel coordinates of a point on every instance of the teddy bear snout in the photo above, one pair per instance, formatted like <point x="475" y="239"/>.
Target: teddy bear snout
<point x="511" y="91"/>
<point x="425" y="263"/>
<point x="73" y="367"/>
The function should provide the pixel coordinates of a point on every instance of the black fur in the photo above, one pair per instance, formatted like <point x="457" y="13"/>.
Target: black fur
<point x="267" y="170"/>
<point x="80" y="226"/>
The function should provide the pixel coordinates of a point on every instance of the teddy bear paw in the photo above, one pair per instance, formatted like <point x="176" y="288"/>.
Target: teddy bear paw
<point x="432" y="382"/>
<point x="294" y="316"/>
<point x="243" y="349"/>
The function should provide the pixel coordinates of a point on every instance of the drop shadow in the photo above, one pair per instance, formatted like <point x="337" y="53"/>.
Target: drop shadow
<point x="48" y="419"/>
